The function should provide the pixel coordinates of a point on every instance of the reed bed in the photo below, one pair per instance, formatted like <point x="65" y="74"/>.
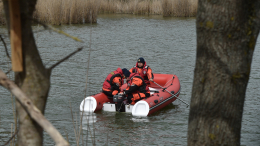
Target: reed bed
<point x="2" y="15"/>
<point x="131" y="6"/>
<point x="180" y="8"/>
<point x="85" y="11"/>
<point x="176" y="8"/>
<point x="66" y="11"/>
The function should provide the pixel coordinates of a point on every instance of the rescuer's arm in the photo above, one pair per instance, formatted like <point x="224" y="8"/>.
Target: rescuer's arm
<point x="149" y="74"/>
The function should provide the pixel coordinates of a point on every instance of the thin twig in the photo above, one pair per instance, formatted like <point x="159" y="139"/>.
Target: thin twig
<point x="81" y="118"/>
<point x="93" y="130"/>
<point x="90" y="39"/>
<point x="65" y="58"/>
<point x="11" y="137"/>
<point x="74" y="127"/>
<point x="8" y="71"/>
<point x="14" y="113"/>
<point x="88" y="66"/>
<point x="82" y="139"/>
<point x="11" y="143"/>
<point x="77" y="130"/>
<point x="6" y="50"/>
<point x="85" y="93"/>
<point x="67" y="137"/>
<point x="90" y="131"/>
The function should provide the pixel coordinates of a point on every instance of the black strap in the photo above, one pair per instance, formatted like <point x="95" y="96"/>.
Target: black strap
<point x="139" y="96"/>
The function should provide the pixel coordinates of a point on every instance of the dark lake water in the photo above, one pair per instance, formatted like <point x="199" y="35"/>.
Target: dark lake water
<point x="167" y="44"/>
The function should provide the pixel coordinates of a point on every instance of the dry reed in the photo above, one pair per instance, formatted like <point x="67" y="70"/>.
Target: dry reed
<point x="180" y="8"/>
<point x="176" y="8"/>
<point x="131" y="6"/>
<point x="2" y="15"/>
<point x="66" y="11"/>
<point x="85" y="11"/>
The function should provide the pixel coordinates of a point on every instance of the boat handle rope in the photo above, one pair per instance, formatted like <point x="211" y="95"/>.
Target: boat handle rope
<point x="170" y="80"/>
<point x="171" y="93"/>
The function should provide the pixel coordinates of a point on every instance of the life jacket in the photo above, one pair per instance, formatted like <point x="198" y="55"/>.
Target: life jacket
<point x="143" y="72"/>
<point x="143" y="88"/>
<point x="108" y="83"/>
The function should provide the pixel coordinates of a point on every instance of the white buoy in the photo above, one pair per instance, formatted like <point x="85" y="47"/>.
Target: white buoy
<point x="141" y="108"/>
<point x="89" y="104"/>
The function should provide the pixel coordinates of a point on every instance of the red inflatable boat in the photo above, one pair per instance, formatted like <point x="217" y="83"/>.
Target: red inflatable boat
<point x="164" y="90"/>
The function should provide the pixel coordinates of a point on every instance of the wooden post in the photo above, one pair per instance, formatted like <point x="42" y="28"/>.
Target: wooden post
<point x="15" y="36"/>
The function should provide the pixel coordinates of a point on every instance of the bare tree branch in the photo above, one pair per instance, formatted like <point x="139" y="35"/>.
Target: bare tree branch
<point x="11" y="137"/>
<point x="6" y="51"/>
<point x="32" y="110"/>
<point x="67" y="57"/>
<point x="56" y="30"/>
<point x="8" y="71"/>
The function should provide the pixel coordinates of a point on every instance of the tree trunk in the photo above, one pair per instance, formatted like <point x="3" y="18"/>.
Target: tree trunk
<point x="226" y="35"/>
<point x="34" y="80"/>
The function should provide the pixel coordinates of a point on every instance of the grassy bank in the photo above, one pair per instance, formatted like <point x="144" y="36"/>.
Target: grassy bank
<point x="85" y="11"/>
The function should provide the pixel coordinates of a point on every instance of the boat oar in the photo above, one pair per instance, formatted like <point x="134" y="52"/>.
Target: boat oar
<point x="171" y="93"/>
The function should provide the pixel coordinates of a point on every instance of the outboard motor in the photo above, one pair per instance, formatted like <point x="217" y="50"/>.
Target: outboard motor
<point x="118" y="99"/>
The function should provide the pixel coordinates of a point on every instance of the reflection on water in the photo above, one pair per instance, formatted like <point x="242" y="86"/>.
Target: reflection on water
<point x="140" y="119"/>
<point x="88" y="118"/>
<point x="177" y="102"/>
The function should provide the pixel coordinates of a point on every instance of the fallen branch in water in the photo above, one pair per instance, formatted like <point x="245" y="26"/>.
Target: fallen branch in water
<point x="32" y="110"/>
